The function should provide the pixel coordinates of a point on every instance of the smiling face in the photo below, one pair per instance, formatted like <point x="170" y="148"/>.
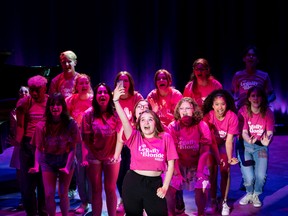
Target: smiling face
<point x="67" y="64"/>
<point x="56" y="109"/>
<point x="219" y="105"/>
<point x="102" y="96"/>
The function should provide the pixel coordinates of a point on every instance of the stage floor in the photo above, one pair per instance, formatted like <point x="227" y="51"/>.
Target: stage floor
<point x="274" y="197"/>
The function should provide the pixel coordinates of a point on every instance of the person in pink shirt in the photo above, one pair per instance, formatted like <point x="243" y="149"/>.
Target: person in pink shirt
<point x="29" y="111"/>
<point x="64" y="82"/>
<point x="257" y="133"/>
<point x="152" y="153"/>
<point x="77" y="103"/>
<point x="201" y="83"/>
<point x="164" y="97"/>
<point x="220" y="114"/>
<point x="55" y="140"/>
<point x="102" y="148"/>
<point x="250" y="76"/>
<point x="243" y="80"/>
<point x="128" y="102"/>
<point x="192" y="138"/>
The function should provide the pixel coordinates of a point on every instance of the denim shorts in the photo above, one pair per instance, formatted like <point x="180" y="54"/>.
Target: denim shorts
<point x="52" y="162"/>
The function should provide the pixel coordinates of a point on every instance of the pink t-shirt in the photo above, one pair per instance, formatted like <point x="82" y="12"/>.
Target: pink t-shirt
<point x="34" y="112"/>
<point x="76" y="106"/>
<point x="62" y="85"/>
<point x="162" y="105"/>
<point x="257" y="125"/>
<point x="242" y="81"/>
<point x="202" y="91"/>
<point x="59" y="143"/>
<point x="103" y="132"/>
<point x="151" y="153"/>
<point x="188" y="141"/>
<point x="229" y="125"/>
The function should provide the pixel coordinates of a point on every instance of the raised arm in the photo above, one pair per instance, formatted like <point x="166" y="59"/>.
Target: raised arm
<point x="127" y="127"/>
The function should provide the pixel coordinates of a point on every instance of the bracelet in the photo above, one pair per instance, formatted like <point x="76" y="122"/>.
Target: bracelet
<point x="115" y="100"/>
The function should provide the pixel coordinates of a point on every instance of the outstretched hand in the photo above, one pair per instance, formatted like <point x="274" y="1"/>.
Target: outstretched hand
<point x="118" y="91"/>
<point x="265" y="139"/>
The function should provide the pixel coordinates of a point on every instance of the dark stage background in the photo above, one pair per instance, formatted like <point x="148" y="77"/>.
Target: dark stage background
<point x="142" y="36"/>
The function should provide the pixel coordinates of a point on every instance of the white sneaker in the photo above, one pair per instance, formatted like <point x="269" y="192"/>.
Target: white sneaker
<point x="225" y="209"/>
<point x="246" y="199"/>
<point x="256" y="201"/>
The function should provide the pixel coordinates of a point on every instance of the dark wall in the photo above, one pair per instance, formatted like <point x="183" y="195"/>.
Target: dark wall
<point x="144" y="36"/>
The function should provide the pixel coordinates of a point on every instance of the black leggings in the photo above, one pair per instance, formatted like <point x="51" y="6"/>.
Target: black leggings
<point x="139" y="192"/>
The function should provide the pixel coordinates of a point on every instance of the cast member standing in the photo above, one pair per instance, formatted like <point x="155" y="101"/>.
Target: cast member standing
<point x="101" y="150"/>
<point x="257" y="134"/>
<point x="201" y="83"/>
<point x="192" y="138"/>
<point x="77" y="103"/>
<point x="164" y="97"/>
<point x="220" y="114"/>
<point x="29" y="111"/>
<point x="15" y="161"/>
<point x="152" y="152"/>
<point x="128" y="102"/>
<point x="55" y="140"/>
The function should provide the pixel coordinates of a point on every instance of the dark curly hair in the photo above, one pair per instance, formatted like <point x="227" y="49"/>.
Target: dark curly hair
<point x="208" y="102"/>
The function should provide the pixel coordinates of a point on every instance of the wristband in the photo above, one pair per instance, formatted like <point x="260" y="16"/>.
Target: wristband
<point x="115" y="100"/>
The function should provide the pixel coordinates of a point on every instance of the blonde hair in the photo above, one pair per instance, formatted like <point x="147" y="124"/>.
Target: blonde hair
<point x="69" y="54"/>
<point x="37" y="81"/>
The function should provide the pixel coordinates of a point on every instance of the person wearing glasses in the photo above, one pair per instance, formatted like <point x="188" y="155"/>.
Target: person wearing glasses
<point x="192" y="138"/>
<point x="201" y="83"/>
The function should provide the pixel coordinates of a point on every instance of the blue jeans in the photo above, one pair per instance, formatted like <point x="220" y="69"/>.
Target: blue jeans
<point x="254" y="175"/>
